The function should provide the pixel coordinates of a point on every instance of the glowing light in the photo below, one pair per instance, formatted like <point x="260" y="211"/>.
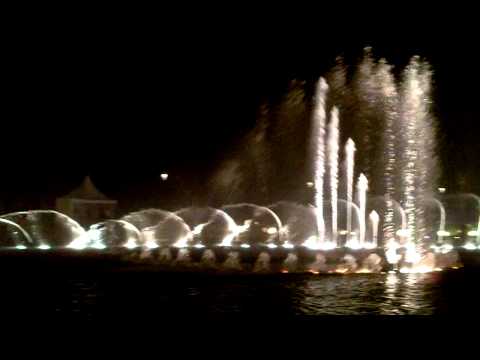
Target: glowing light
<point x="403" y="233"/>
<point x="469" y="246"/>
<point x="44" y="247"/>
<point x="151" y="244"/>
<point x="20" y="247"/>
<point x="287" y="245"/>
<point x="314" y="272"/>
<point x="446" y="248"/>
<point x="199" y="246"/>
<point x="416" y="270"/>
<point x="98" y="245"/>
<point x="284" y="271"/>
<point x="197" y="230"/>
<point x="245" y="246"/>
<point x="362" y="187"/>
<point x="164" y="176"/>
<point x="369" y="245"/>
<point x="353" y="244"/>
<point x="131" y="244"/>
<point x="472" y="233"/>
<point x="363" y="271"/>
<point x="318" y="136"/>
<point x="343" y="232"/>
<point x="333" y="147"/>
<point x="442" y="190"/>
<point x="310" y="184"/>
<point x="391" y="252"/>
<point x="271" y="230"/>
<point x="443" y="233"/>
<point x="272" y="246"/>
<point x="313" y="244"/>
<point x="411" y="253"/>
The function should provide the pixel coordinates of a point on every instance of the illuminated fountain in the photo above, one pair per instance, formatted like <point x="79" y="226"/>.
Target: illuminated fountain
<point x="356" y="234"/>
<point x="333" y="147"/>
<point x="318" y="136"/>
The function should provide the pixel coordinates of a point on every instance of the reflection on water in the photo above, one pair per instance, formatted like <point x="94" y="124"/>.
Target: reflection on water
<point x="154" y="294"/>
<point x="382" y="294"/>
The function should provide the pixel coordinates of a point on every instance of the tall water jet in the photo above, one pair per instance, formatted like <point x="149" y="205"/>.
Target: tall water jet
<point x="318" y="142"/>
<point x="388" y="103"/>
<point x="418" y="163"/>
<point x="350" y="161"/>
<point x="374" y="221"/>
<point x="333" y="139"/>
<point x="362" y="187"/>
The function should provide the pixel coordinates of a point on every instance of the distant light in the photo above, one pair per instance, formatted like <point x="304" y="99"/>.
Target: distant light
<point x="472" y="233"/>
<point x="343" y="232"/>
<point x="442" y="190"/>
<point x="272" y="246"/>
<point x="271" y="230"/>
<point x="245" y="246"/>
<point x="20" y="247"/>
<point x="98" y="245"/>
<point x="44" y="247"/>
<point x="443" y="233"/>
<point x="287" y="246"/>
<point x="151" y="244"/>
<point x="310" y="184"/>
<point x="198" y="246"/>
<point x="469" y="246"/>
<point x="131" y="244"/>
<point x="164" y="176"/>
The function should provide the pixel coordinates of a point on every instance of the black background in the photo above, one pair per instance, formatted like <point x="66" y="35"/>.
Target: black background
<point x="125" y="95"/>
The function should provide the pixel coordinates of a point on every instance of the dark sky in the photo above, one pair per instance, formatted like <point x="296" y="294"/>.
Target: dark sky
<point x="124" y="103"/>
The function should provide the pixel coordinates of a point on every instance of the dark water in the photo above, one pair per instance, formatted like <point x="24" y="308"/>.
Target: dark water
<point x="148" y="294"/>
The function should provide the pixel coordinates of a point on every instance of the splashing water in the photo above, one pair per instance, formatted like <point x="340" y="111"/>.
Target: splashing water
<point x="350" y="160"/>
<point x="319" y="146"/>
<point x="333" y="138"/>
<point x="233" y="261"/>
<point x="362" y="186"/>
<point x="290" y="264"/>
<point x="262" y="264"/>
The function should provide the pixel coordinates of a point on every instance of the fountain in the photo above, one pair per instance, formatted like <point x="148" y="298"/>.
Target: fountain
<point x="291" y="235"/>
<point x="318" y="136"/>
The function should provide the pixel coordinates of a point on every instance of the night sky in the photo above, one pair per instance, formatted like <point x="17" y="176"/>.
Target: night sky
<point x="125" y="104"/>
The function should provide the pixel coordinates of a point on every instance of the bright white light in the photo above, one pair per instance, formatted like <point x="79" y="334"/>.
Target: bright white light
<point x="369" y="246"/>
<point x="446" y="248"/>
<point x="287" y="245"/>
<point x="472" y="233"/>
<point x="411" y="254"/>
<point x="271" y="230"/>
<point x="442" y="190"/>
<point x="44" y="247"/>
<point x="20" y="247"/>
<point x="353" y="244"/>
<point x="245" y="246"/>
<point x="443" y="233"/>
<point x="310" y="184"/>
<point x="151" y="244"/>
<point x="403" y="233"/>
<point x="131" y="244"/>
<point x="164" y="176"/>
<point x="343" y="232"/>
<point x="98" y="245"/>
<point x="272" y="246"/>
<point x="198" y="246"/>
<point x="469" y="246"/>
<point x="391" y="252"/>
<point x="197" y="230"/>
